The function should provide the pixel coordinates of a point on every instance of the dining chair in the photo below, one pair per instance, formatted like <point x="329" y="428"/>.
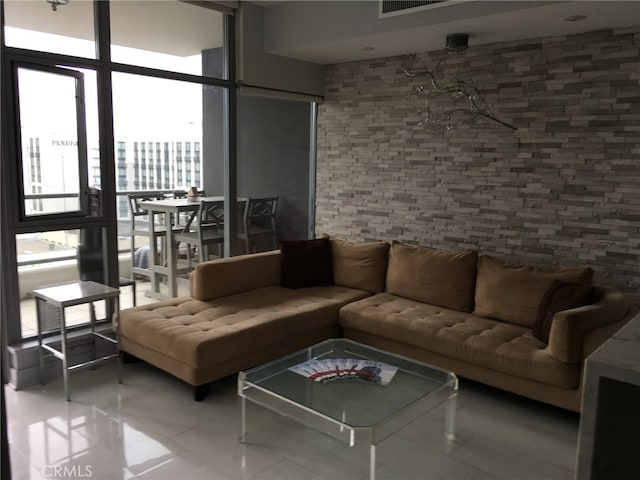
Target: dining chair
<point x="260" y="222"/>
<point x="203" y="229"/>
<point x="207" y="229"/>
<point x="140" y="224"/>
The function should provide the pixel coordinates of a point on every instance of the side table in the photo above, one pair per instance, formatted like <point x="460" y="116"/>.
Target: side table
<point x="51" y="303"/>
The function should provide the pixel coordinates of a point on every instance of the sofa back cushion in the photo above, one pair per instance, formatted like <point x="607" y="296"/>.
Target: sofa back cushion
<point x="360" y="265"/>
<point x="438" y="277"/>
<point x="512" y="293"/>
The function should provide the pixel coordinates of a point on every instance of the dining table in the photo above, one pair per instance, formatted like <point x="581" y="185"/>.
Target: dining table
<point x="171" y="209"/>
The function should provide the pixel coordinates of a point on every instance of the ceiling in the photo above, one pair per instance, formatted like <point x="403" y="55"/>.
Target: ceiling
<point x="329" y="31"/>
<point x="336" y="32"/>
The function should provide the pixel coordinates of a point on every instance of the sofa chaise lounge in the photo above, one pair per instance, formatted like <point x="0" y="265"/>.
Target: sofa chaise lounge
<point x="520" y="328"/>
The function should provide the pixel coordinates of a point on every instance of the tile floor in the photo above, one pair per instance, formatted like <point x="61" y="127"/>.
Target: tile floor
<point x="150" y="428"/>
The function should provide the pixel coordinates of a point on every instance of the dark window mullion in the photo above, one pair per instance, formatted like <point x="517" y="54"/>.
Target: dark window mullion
<point x="107" y="142"/>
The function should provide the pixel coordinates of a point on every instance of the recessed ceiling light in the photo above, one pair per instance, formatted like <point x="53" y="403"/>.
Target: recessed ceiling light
<point x="575" y="18"/>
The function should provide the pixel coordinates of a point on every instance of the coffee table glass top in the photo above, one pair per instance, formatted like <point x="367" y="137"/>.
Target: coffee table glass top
<point x="341" y="407"/>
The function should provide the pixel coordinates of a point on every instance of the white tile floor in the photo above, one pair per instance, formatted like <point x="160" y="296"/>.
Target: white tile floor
<point x="150" y="428"/>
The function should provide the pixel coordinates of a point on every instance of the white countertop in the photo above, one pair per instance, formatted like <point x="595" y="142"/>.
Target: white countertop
<point x="620" y="355"/>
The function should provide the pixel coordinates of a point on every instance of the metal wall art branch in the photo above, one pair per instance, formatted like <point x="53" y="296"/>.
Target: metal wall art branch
<point x="458" y="91"/>
<point x="56" y="3"/>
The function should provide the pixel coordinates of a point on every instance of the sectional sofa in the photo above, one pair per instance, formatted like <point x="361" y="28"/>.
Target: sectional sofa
<point x="524" y="329"/>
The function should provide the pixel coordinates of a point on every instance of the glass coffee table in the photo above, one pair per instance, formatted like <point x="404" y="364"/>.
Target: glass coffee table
<point x="349" y="409"/>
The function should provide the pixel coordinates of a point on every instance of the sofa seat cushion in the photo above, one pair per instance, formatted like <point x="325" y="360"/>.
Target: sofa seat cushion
<point x="496" y="345"/>
<point x="202" y="334"/>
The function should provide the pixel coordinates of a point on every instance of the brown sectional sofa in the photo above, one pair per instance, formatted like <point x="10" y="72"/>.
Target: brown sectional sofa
<point x="473" y="315"/>
<point x="238" y="316"/>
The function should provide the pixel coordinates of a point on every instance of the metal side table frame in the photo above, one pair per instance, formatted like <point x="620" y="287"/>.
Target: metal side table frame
<point x="55" y="299"/>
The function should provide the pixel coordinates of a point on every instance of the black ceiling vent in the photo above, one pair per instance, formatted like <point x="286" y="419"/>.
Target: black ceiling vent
<point x="457" y="42"/>
<point x="397" y="7"/>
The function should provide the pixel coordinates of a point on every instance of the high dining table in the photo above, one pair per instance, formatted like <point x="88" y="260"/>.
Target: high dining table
<point x="171" y="208"/>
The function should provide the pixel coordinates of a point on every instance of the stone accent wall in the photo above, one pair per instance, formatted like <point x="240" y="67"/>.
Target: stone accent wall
<point x="562" y="189"/>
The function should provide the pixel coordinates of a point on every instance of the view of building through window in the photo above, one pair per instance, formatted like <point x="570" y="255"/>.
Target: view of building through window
<point x="158" y="129"/>
<point x="158" y="135"/>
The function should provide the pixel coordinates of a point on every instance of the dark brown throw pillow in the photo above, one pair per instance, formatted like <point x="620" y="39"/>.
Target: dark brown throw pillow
<point x="306" y="263"/>
<point x="559" y="296"/>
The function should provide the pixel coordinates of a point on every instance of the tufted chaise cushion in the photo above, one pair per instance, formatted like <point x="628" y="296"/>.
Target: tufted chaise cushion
<point x="204" y="333"/>
<point x="496" y="345"/>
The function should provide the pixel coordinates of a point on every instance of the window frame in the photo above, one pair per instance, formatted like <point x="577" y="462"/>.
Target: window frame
<point x="81" y="132"/>
<point x="10" y="222"/>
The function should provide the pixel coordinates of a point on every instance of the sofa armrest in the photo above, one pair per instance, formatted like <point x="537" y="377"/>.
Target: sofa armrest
<point x="227" y="276"/>
<point x="569" y="328"/>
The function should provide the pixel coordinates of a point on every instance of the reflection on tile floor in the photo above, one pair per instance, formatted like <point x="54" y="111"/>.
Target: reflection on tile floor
<point x="150" y="428"/>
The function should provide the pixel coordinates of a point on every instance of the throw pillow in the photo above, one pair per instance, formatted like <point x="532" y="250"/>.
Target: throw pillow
<point x="512" y="293"/>
<point x="439" y="277"/>
<point x="306" y="263"/>
<point x="560" y="296"/>
<point x="360" y="265"/>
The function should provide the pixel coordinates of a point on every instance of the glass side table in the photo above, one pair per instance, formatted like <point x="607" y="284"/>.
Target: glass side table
<point x="50" y="306"/>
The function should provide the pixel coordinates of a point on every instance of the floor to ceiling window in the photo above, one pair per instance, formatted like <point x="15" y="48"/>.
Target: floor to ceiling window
<point x="103" y="99"/>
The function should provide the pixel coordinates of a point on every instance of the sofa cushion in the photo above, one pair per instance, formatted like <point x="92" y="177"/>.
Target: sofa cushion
<point x="496" y="345"/>
<point x="202" y="334"/>
<point x="438" y="277"/>
<point x="227" y="276"/>
<point x="512" y="293"/>
<point x="306" y="263"/>
<point x="360" y="265"/>
<point x="559" y="296"/>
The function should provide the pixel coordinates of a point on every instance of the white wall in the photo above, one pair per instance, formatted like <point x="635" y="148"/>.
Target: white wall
<point x="257" y="68"/>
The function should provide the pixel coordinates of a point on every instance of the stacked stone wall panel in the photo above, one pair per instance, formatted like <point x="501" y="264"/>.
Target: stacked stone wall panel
<point x="563" y="189"/>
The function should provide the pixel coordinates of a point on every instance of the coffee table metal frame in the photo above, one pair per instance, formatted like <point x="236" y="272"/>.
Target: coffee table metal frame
<point x="353" y="411"/>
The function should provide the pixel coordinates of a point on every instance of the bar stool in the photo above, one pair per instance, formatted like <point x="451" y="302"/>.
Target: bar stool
<point x="141" y="226"/>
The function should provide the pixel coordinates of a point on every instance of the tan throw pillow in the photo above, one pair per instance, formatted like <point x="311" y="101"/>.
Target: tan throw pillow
<point x="512" y="293"/>
<point x="360" y="265"/>
<point x="438" y="277"/>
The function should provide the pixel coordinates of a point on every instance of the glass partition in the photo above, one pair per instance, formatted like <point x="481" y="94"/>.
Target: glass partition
<point x="162" y="134"/>
<point x="173" y="35"/>
<point x="168" y="121"/>
<point x="34" y="25"/>
<point x="275" y="162"/>
<point x="57" y="257"/>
